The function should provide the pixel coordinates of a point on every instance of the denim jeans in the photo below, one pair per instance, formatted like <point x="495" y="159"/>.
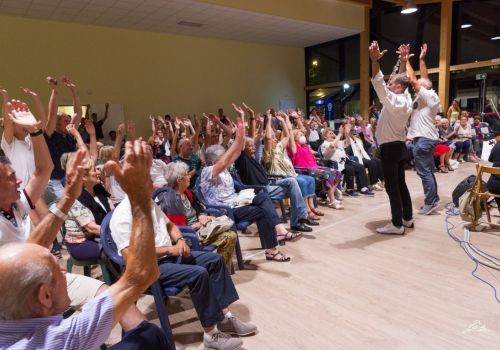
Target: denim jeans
<point x="424" y="165"/>
<point x="53" y="192"/>
<point x="289" y="188"/>
<point x="307" y="185"/>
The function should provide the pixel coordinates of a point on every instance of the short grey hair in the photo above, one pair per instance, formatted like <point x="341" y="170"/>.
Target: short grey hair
<point x="426" y="83"/>
<point x="19" y="295"/>
<point x="401" y="79"/>
<point x="213" y="153"/>
<point x="174" y="171"/>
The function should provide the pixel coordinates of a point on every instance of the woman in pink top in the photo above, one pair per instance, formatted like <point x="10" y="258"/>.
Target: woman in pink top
<point x="303" y="159"/>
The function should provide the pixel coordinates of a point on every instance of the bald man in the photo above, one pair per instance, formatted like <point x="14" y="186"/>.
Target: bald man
<point x="33" y="287"/>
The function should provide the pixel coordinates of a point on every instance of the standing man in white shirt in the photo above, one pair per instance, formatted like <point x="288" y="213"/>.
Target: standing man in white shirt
<point x="422" y="129"/>
<point x="391" y="136"/>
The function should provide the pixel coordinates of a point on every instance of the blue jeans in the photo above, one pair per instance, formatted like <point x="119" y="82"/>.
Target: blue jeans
<point x="462" y="147"/>
<point x="424" y="165"/>
<point x="289" y="188"/>
<point x="145" y="336"/>
<point x="307" y="185"/>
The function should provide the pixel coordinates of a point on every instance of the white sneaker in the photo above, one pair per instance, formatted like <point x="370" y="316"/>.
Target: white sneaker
<point x="338" y="194"/>
<point x="390" y="229"/>
<point x="428" y="209"/>
<point x="408" y="223"/>
<point x="221" y="341"/>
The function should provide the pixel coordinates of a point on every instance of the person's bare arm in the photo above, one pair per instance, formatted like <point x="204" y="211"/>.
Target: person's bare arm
<point x="89" y="126"/>
<point x="173" y="146"/>
<point x="77" y="106"/>
<point x="120" y="132"/>
<point x="8" y="125"/>
<point x="21" y="114"/>
<point x="197" y="131"/>
<point x="46" y="231"/>
<point x="50" y="127"/>
<point x="285" y="135"/>
<point x="153" y="125"/>
<point x="404" y="56"/>
<point x="424" y="73"/>
<point x="106" y="113"/>
<point x="268" y="139"/>
<point x="92" y="227"/>
<point x="142" y="267"/>
<point x="291" y="141"/>
<point x="251" y="123"/>
<point x="40" y="110"/>
<point x="78" y="138"/>
<point x="234" y="151"/>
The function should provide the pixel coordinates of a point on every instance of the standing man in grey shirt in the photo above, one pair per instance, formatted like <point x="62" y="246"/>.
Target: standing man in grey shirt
<point x="422" y="129"/>
<point x="391" y="136"/>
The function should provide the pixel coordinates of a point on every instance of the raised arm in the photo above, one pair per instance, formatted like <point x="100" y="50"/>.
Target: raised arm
<point x="89" y="126"/>
<point x="251" y="123"/>
<point x="291" y="141"/>
<point x="78" y="138"/>
<point x="77" y="106"/>
<point x="46" y="231"/>
<point x="404" y="56"/>
<point x="142" y="267"/>
<point x="424" y="73"/>
<point x="234" y="151"/>
<point x="196" y="137"/>
<point x="52" y="115"/>
<point x="375" y="56"/>
<point x="175" y="139"/>
<point x="21" y="114"/>
<point x="285" y="135"/>
<point x="268" y="138"/>
<point x="40" y="110"/>
<point x="106" y="113"/>
<point x="117" y="147"/>
<point x="8" y="125"/>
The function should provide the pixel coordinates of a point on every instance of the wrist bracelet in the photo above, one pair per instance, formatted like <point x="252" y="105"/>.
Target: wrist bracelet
<point x="36" y="133"/>
<point x="58" y="213"/>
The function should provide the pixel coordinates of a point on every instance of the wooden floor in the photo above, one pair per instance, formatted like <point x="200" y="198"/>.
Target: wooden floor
<point x="350" y="288"/>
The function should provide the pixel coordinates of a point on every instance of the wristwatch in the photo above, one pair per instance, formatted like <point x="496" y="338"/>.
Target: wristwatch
<point x="174" y="242"/>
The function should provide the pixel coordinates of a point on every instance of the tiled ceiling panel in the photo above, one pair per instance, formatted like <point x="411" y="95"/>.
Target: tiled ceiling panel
<point x="165" y="15"/>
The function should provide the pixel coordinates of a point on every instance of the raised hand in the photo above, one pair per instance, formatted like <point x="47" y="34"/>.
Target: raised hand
<point x="341" y="130"/>
<point x="212" y="117"/>
<point x="239" y="111"/>
<point x="120" y="131"/>
<point x="28" y="91"/>
<point x="248" y="109"/>
<point x="133" y="177"/>
<point x="423" y="51"/>
<point x="347" y="128"/>
<point x="131" y="130"/>
<point x="89" y="126"/>
<point x="375" y="53"/>
<point x="404" y="52"/>
<point x="52" y="82"/>
<point x="71" y="129"/>
<point x="20" y="114"/>
<point x="74" y="176"/>
<point x="68" y="83"/>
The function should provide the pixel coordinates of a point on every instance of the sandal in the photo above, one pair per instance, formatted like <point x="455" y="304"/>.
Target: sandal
<point x="313" y="216"/>
<point x="450" y="168"/>
<point x="442" y="169"/>
<point x="318" y="212"/>
<point x="278" y="256"/>
<point x="288" y="236"/>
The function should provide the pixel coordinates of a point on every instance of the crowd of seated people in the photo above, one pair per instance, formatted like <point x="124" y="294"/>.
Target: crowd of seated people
<point x="57" y="173"/>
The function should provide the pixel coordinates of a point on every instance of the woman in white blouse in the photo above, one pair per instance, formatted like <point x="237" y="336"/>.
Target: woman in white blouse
<point x="463" y="132"/>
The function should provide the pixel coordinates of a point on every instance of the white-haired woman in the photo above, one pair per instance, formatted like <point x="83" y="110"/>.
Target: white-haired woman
<point x="217" y="187"/>
<point x="178" y="204"/>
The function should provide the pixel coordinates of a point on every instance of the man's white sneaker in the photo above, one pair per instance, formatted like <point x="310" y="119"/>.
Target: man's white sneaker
<point x="408" y="223"/>
<point x="233" y="325"/>
<point x="428" y="209"/>
<point x="221" y="341"/>
<point x="390" y="229"/>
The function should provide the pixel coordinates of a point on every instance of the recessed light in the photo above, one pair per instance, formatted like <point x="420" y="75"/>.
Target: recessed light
<point x="466" y="25"/>
<point x="346" y="86"/>
<point x="409" y="7"/>
<point x="315" y="63"/>
<point x="496" y="38"/>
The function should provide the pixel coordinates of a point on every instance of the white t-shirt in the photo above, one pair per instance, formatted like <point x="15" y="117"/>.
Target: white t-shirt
<point x="121" y="225"/>
<point x="158" y="171"/>
<point x="18" y="227"/>
<point x="338" y="155"/>
<point x="21" y="155"/>
<point x="395" y="112"/>
<point x="313" y="135"/>
<point x="422" y="122"/>
<point x="463" y="132"/>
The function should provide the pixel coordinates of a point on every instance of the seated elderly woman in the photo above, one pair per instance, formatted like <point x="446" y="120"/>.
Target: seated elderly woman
<point x="333" y="149"/>
<point x="178" y="205"/>
<point x="218" y="188"/>
<point x="303" y="159"/>
<point x="86" y="214"/>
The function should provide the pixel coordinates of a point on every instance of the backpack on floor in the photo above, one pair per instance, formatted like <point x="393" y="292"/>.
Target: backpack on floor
<point x="461" y="188"/>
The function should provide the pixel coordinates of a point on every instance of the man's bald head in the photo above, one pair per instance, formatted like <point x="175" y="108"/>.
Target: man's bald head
<point x="26" y="269"/>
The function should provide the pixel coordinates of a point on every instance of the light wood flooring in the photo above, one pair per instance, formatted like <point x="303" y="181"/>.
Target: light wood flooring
<point x="347" y="287"/>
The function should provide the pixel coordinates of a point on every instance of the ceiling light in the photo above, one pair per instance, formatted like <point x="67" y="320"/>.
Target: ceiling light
<point x="466" y="25"/>
<point x="409" y="7"/>
<point x="346" y="86"/>
<point x="314" y="63"/>
<point x="496" y="37"/>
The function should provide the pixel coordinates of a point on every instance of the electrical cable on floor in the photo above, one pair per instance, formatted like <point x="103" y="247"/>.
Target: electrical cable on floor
<point x="470" y="249"/>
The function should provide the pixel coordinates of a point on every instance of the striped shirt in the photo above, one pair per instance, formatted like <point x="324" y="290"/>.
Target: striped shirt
<point x="87" y="330"/>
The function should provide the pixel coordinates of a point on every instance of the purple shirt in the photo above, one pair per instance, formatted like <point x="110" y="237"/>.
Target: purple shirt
<point x="87" y="330"/>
